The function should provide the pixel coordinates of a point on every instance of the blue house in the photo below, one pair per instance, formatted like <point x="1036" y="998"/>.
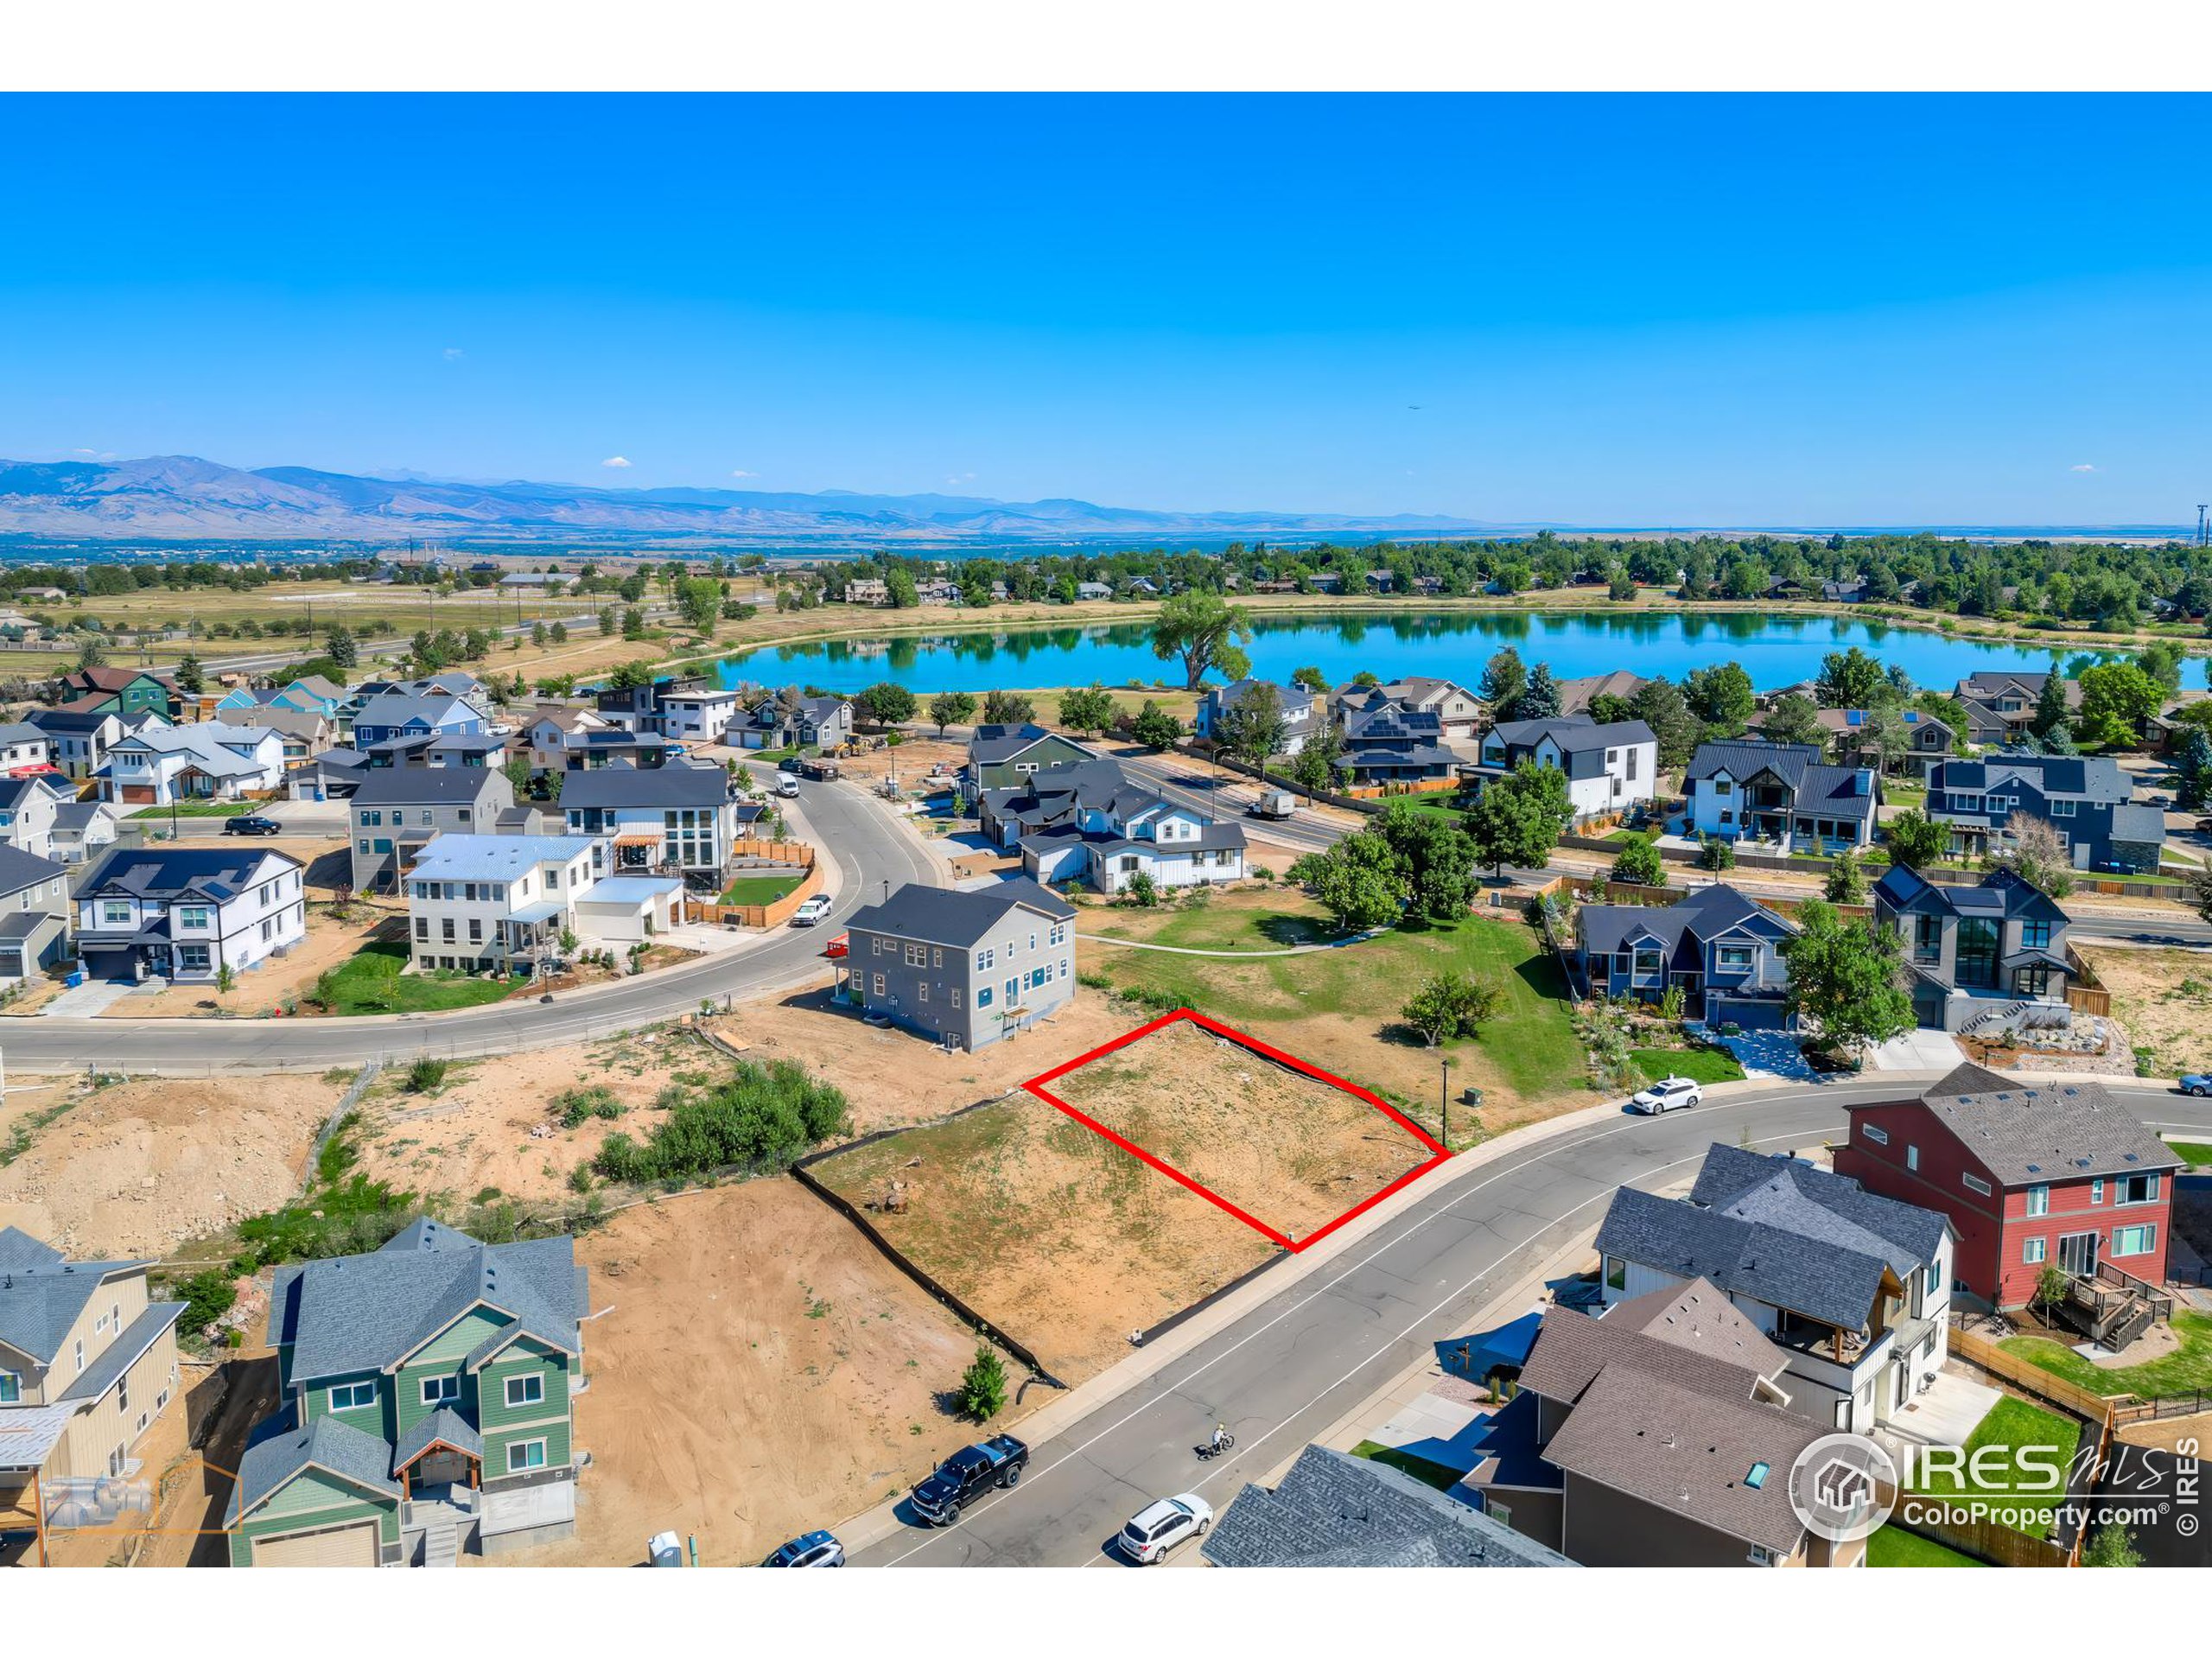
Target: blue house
<point x="390" y="715"/>
<point x="1779" y="793"/>
<point x="2088" y="799"/>
<point x="1722" y="949"/>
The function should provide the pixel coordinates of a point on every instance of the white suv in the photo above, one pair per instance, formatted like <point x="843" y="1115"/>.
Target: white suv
<point x="1665" y="1095"/>
<point x="1158" y="1528"/>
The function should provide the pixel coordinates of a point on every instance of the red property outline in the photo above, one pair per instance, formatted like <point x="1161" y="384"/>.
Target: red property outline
<point x="1438" y="1151"/>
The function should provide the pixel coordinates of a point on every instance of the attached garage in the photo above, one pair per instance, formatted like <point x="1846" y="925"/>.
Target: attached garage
<point x="1752" y="1012"/>
<point x="352" y="1545"/>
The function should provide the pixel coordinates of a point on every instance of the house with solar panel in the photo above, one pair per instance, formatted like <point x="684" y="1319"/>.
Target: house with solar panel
<point x="2086" y="799"/>
<point x="425" y="1412"/>
<point x="1783" y="795"/>
<point x="1928" y="740"/>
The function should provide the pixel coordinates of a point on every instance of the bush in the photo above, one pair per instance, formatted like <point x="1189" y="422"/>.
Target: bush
<point x="1716" y="855"/>
<point x="426" y="1075"/>
<point x="1638" y="862"/>
<point x="759" y="1117"/>
<point x="982" y="1385"/>
<point x="1141" y="890"/>
<point x="574" y="1107"/>
<point x="208" y="1297"/>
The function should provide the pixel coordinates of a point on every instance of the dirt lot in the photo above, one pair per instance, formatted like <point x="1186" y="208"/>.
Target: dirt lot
<point x="137" y="1168"/>
<point x="894" y="1078"/>
<point x="330" y="941"/>
<point x="2164" y="1000"/>
<point x="825" y="1366"/>
<point x="1287" y="1149"/>
<point x="2171" y="1433"/>
<point x="1047" y="1229"/>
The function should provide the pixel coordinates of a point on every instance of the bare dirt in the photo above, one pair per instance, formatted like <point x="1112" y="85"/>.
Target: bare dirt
<point x="2187" y="1435"/>
<point x="2164" y="999"/>
<point x="1290" y="1150"/>
<point x="334" y="937"/>
<point x="136" y="1168"/>
<point x="763" y="1370"/>
<point x="1047" y="1229"/>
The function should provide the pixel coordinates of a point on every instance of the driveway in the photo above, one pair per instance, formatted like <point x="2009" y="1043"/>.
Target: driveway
<point x="87" y="1000"/>
<point x="1766" y="1054"/>
<point x="1916" y="1050"/>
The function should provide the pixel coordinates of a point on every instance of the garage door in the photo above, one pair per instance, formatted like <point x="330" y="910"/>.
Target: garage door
<point x="1750" y="1014"/>
<point x="353" y="1546"/>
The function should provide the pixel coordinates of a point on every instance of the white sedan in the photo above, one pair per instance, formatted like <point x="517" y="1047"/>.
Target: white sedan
<point x="812" y="910"/>
<point x="1665" y="1095"/>
<point x="1158" y="1528"/>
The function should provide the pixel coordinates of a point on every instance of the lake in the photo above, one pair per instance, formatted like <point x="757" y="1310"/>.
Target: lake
<point x="1775" y="649"/>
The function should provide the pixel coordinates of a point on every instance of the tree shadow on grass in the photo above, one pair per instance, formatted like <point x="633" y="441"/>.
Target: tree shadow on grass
<point x="1296" y="930"/>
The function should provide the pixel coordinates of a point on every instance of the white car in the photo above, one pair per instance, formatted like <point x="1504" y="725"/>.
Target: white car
<point x="812" y="910"/>
<point x="1158" y="1528"/>
<point x="786" y="785"/>
<point x="1665" y="1095"/>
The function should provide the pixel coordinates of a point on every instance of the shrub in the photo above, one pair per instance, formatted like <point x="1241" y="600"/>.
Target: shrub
<point x="1716" y="855"/>
<point x="1141" y="890"/>
<point x="757" y="1117"/>
<point x="574" y="1107"/>
<point x="982" y="1385"/>
<point x="426" y="1075"/>
<point x="208" y="1297"/>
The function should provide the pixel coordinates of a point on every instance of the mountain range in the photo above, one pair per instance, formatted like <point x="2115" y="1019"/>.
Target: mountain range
<point x="182" y="497"/>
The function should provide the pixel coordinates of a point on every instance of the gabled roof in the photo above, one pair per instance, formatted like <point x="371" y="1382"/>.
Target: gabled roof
<point x="168" y="873"/>
<point x="1692" y="1335"/>
<point x="992" y="745"/>
<point x="1294" y="700"/>
<point x="2026" y="1133"/>
<point x="493" y="858"/>
<point x="2088" y="777"/>
<point x="1573" y="734"/>
<point x="1853" y="790"/>
<point x="41" y="1292"/>
<point x="1746" y="1256"/>
<point x="425" y="786"/>
<point x="1704" y="914"/>
<point x="949" y="916"/>
<point x="1793" y="1196"/>
<point x="2002" y="893"/>
<point x="621" y="784"/>
<point x="327" y="1445"/>
<point x="1740" y="759"/>
<point x="444" y="1427"/>
<point x="402" y="707"/>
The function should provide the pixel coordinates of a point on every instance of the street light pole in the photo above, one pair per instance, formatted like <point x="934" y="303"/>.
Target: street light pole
<point x="1443" y="1107"/>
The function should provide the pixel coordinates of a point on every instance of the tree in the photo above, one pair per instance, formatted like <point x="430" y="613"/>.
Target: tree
<point x="2111" y="1545"/>
<point x="953" y="709"/>
<point x="1639" y="863"/>
<point x="2162" y="660"/>
<point x="1311" y="679"/>
<point x="1007" y="708"/>
<point x="904" y="594"/>
<point x="1720" y="696"/>
<point x="1539" y="697"/>
<point x="1847" y="880"/>
<point x="606" y="622"/>
<point x="190" y="676"/>
<point x="2034" y="851"/>
<point x="339" y="642"/>
<point x="1357" y="881"/>
<point x="1314" y="765"/>
<point x="1847" y="977"/>
<point x="1518" y="820"/>
<point x="91" y="651"/>
<point x="1794" y="719"/>
<point x="1155" y="728"/>
<point x="1716" y="854"/>
<point x="2195" y="765"/>
<point x="1437" y="858"/>
<point x="1505" y="676"/>
<point x="1848" y="679"/>
<point x="982" y="1385"/>
<point x="1916" y="841"/>
<point x="1141" y="890"/>
<point x="2117" y="700"/>
<point x="1087" y="708"/>
<point x="1449" y="1005"/>
<point x="2051" y="714"/>
<point x="225" y="979"/>
<point x="1659" y="704"/>
<point x="1206" y="632"/>
<point x="885" y="703"/>
<point x="700" y="599"/>
<point x="1884" y="735"/>
<point x="1253" y="727"/>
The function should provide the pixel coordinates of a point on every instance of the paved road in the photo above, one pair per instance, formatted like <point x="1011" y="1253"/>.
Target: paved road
<point x="871" y="847"/>
<point x="1290" y="1368"/>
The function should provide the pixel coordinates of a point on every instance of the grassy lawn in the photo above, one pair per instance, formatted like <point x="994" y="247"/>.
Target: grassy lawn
<point x="759" y="889"/>
<point x="1895" y="1547"/>
<point x="2186" y="1369"/>
<point x="1699" y="1065"/>
<point x="2198" y="1153"/>
<point x="1429" y="1474"/>
<point x="2014" y="1423"/>
<point x="199" y="809"/>
<point x="370" y="982"/>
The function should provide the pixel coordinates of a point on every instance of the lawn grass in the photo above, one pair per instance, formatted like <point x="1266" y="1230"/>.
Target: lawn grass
<point x="1895" y="1547"/>
<point x="759" y="889"/>
<point x="2198" y="1153"/>
<point x="2014" y="1423"/>
<point x="199" y="809"/>
<point x="2188" y="1368"/>
<point x="1699" y="1064"/>
<point x="1429" y="1474"/>
<point x="370" y="982"/>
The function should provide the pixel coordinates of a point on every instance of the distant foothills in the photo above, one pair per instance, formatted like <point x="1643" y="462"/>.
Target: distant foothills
<point x="183" y="499"/>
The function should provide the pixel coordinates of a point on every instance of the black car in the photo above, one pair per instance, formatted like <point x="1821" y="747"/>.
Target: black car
<point x="967" y="1475"/>
<point x="252" y="823"/>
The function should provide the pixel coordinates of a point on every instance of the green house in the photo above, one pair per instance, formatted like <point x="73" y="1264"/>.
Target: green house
<point x="124" y="691"/>
<point x="426" y="1412"/>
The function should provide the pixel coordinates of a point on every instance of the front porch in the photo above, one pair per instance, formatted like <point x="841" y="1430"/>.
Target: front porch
<point x="440" y="1463"/>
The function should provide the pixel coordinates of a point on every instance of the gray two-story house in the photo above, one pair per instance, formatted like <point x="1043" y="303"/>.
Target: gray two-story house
<point x="1722" y="950"/>
<point x="1001" y="757"/>
<point x="1781" y="793"/>
<point x="34" y="908"/>
<point x="2088" y="799"/>
<point x="963" y="969"/>
<point x="398" y="811"/>
<point x="1928" y="739"/>
<point x="1975" y="950"/>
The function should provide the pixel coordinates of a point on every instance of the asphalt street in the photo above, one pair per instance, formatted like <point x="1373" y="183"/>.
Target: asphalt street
<point x="1292" y="1367"/>
<point x="872" y="850"/>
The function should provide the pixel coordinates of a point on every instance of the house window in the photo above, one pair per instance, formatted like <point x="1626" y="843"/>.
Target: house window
<point x="1616" y="1272"/>
<point x="191" y="916"/>
<point x="446" y="930"/>
<point x="2060" y="809"/>
<point x="193" y="958"/>
<point x="2035" y="936"/>
<point x="983" y="962"/>
<point x="526" y="1454"/>
<point x="423" y="929"/>
<point x="1975" y="1184"/>
<point x="1735" y="958"/>
<point x="917" y="955"/>
<point x="528" y="1389"/>
<point x="2032" y="1250"/>
<point x="476" y="930"/>
<point x="956" y="999"/>
<point x="12" y="1389"/>
<point x="2134" y="1241"/>
<point x="1976" y="962"/>
<point x="1926" y="938"/>
<point x="2137" y="1189"/>
<point x="115" y="913"/>
<point x="1875" y="1133"/>
<point x="437" y="1390"/>
<point x="922" y="992"/>
<point x="1647" y="963"/>
<point x="1722" y="786"/>
<point x="984" y="997"/>
<point x="2039" y="1200"/>
<point x="2096" y="1191"/>
<point x="1912" y="1157"/>
<point x="879" y="985"/>
<point x="352" y="1396"/>
<point x="2033" y="979"/>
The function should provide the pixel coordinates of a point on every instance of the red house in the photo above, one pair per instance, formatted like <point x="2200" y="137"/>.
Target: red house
<point x="2029" y="1173"/>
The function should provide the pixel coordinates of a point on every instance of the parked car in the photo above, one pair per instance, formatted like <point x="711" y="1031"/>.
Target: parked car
<point x="2204" y="826"/>
<point x="1158" y="1528"/>
<point x="1665" y="1095"/>
<point x="809" y="1550"/>
<point x="252" y="823"/>
<point x="812" y="909"/>
<point x="967" y="1475"/>
<point x="2197" y="1083"/>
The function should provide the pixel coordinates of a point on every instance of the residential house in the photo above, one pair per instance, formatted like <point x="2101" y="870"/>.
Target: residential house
<point x="2086" y="799"/>
<point x="808" y="722"/>
<point x="1331" y="1509"/>
<point x="587" y="750"/>
<point x="88" y="1364"/>
<point x="28" y="807"/>
<point x="1975" y="951"/>
<point x="1658" y="1435"/>
<point x="120" y="691"/>
<point x="398" y="811"/>
<point x="1783" y="794"/>
<point x="1610" y="769"/>
<point x="82" y="830"/>
<point x="303" y="735"/>
<point x="868" y="590"/>
<point x="426" y="1405"/>
<point x="500" y="903"/>
<point x="963" y="969"/>
<point x="1851" y="590"/>
<point x="80" y="738"/>
<point x="1719" y="948"/>
<point x="465" y="749"/>
<point x="1084" y="590"/>
<point x="1390" y="745"/>
<point x="2000" y="703"/>
<point x="185" y="913"/>
<point x="1301" y="717"/>
<point x="546" y="731"/>
<point x="677" y="817"/>
<point x="34" y="910"/>
<point x="999" y="757"/>
<point x="1576" y="695"/>
<point x="155" y="764"/>
<point x="2030" y="1174"/>
<point x="25" y="747"/>
<point x="1928" y="739"/>
<point x="547" y="581"/>
<point x="1853" y="1287"/>
<point x="1457" y="711"/>
<point x="695" y="712"/>
<point x="388" y="714"/>
<point x="1088" y="822"/>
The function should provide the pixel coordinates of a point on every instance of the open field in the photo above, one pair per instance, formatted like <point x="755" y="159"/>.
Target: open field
<point x="758" y="889"/>
<point x="762" y="1370"/>
<point x="1339" y="1010"/>
<point x="1291" y="1151"/>
<point x="136" y="1168"/>
<point x="2163" y="998"/>
<point x="374" y="981"/>
<point x="1050" y="1231"/>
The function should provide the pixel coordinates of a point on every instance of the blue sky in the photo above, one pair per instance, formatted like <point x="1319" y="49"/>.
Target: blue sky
<point x="1609" y="310"/>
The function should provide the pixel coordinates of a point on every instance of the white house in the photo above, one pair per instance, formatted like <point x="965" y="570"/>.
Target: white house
<point x="28" y="807"/>
<point x="24" y="747"/>
<point x="82" y="831"/>
<point x="81" y="736"/>
<point x="1609" y="768"/>
<point x="697" y="714"/>
<point x="676" y="817"/>
<point x="1088" y="822"/>
<point x="184" y="913"/>
<point x="156" y="764"/>
<point x="497" y="902"/>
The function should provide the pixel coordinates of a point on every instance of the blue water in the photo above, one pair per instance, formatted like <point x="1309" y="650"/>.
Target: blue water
<point x="1775" y="650"/>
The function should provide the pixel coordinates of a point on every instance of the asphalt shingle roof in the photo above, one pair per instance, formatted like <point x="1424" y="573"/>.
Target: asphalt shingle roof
<point x="423" y="785"/>
<point x="1704" y="914"/>
<point x="41" y="1292"/>
<point x="1691" y="1333"/>
<point x="2026" y="1133"/>
<point x="1744" y="1256"/>
<point x="1786" y="1193"/>
<point x="620" y="783"/>
<point x="327" y="1444"/>
<point x="949" y="916"/>
<point x="166" y="873"/>
<point x="20" y="869"/>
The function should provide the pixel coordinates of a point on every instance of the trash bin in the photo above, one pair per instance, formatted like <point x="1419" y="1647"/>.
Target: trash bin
<point x="76" y="978"/>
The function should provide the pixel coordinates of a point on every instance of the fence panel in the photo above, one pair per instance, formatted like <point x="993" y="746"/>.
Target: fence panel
<point x="1978" y="1350"/>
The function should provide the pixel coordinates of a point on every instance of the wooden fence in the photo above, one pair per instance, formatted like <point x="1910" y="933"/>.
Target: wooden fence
<point x="1980" y="1351"/>
<point x="2085" y="992"/>
<point x="1988" y="1541"/>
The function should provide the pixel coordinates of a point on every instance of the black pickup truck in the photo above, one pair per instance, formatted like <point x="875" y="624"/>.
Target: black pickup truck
<point x="967" y="1475"/>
